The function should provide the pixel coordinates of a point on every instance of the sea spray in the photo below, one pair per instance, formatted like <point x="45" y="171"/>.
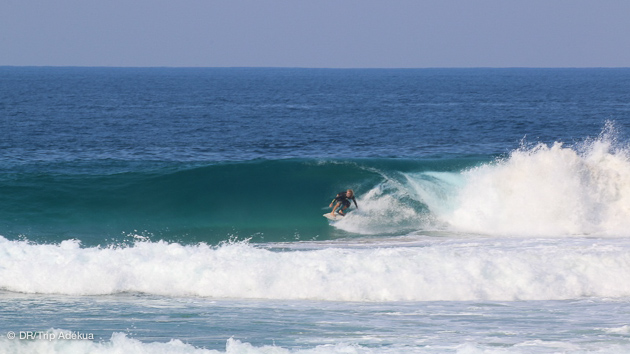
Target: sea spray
<point x="548" y="190"/>
<point x="387" y="208"/>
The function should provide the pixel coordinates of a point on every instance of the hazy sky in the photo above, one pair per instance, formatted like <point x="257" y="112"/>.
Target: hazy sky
<point x="322" y="33"/>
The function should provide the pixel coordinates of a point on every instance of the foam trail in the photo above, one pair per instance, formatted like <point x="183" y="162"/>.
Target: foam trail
<point x="397" y="205"/>
<point x="441" y="270"/>
<point x="384" y="209"/>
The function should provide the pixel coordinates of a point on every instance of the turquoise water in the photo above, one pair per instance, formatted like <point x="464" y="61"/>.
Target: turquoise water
<point x="267" y="200"/>
<point x="179" y="210"/>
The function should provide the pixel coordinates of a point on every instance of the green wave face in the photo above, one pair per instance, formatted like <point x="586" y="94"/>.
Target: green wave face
<point x="277" y="200"/>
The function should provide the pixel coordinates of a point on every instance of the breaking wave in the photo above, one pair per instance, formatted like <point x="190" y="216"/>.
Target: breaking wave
<point x="433" y="270"/>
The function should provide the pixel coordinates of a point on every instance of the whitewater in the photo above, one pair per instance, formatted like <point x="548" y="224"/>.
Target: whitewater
<point x="450" y="270"/>
<point x="541" y="190"/>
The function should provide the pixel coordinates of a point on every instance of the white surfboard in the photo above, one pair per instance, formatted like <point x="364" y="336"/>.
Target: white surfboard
<point x="332" y="217"/>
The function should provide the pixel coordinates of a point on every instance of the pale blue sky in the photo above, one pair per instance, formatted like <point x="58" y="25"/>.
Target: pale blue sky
<point x="323" y="33"/>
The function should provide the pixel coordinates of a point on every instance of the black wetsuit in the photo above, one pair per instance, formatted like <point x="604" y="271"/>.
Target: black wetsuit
<point x="344" y="200"/>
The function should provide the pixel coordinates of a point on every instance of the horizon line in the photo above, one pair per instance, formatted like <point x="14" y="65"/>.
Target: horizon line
<point x="313" y="68"/>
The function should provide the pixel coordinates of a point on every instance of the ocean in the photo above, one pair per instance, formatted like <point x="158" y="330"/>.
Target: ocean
<point x="179" y="210"/>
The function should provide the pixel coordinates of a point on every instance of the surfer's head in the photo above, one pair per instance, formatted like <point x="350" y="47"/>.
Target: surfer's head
<point x="350" y="193"/>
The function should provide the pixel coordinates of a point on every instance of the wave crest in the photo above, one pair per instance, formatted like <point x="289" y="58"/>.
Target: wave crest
<point x="547" y="191"/>
<point x="541" y="190"/>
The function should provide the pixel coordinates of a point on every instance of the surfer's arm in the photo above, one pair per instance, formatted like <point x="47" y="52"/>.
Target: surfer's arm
<point x="355" y="202"/>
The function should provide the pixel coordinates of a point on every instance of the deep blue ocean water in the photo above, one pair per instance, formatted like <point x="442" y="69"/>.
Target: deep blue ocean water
<point x="177" y="210"/>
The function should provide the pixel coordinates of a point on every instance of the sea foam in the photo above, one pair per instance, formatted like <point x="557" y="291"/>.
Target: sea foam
<point x="542" y="190"/>
<point x="546" y="191"/>
<point x="121" y="343"/>
<point x="438" y="270"/>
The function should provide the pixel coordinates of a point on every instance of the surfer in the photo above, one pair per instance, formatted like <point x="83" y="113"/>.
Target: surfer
<point x="343" y="201"/>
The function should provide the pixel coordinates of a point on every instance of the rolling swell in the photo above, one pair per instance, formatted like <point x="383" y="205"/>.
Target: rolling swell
<point x="271" y="200"/>
<point x="538" y="190"/>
